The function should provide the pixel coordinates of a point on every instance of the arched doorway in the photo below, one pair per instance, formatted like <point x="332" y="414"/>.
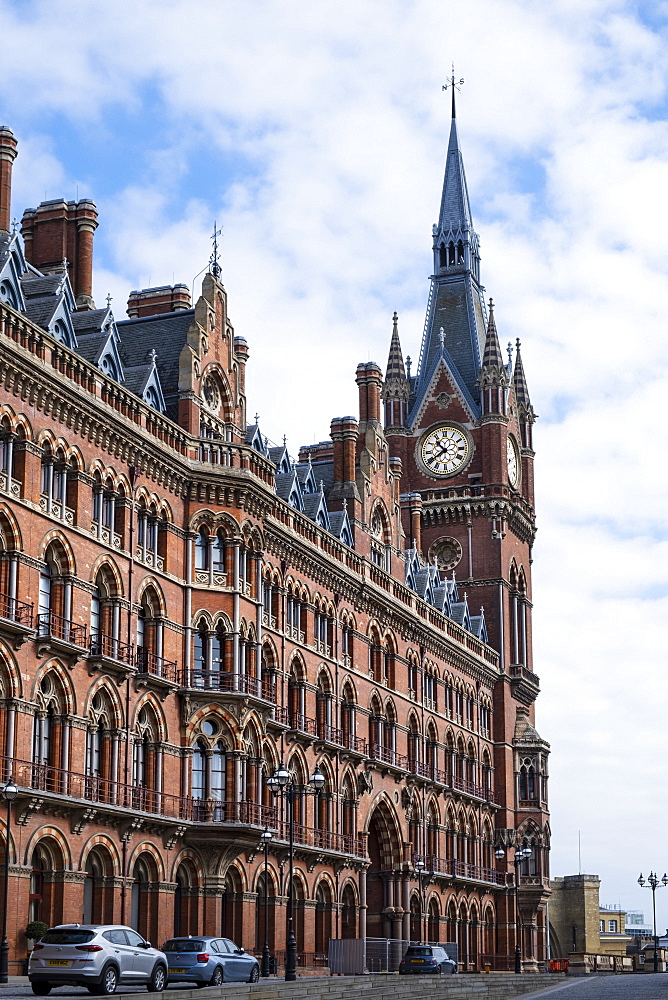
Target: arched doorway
<point x="260" y="913"/>
<point x="348" y="912"/>
<point x="383" y="891"/>
<point x="233" y="906"/>
<point x="323" y="918"/>
<point x="144" y="902"/>
<point x="433" y="921"/>
<point x="186" y="900"/>
<point x="98" y="897"/>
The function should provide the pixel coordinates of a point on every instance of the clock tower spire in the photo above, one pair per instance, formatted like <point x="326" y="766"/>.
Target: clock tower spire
<point x="466" y="450"/>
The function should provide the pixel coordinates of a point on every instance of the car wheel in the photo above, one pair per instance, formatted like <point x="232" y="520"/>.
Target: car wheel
<point x="158" y="980"/>
<point x="255" y="974"/>
<point x="440" y="970"/>
<point x="217" y="977"/>
<point x="41" y="989"/>
<point x="109" y="981"/>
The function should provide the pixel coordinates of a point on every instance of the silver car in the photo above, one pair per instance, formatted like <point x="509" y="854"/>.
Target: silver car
<point x="97" y="956"/>
<point x="209" y="961"/>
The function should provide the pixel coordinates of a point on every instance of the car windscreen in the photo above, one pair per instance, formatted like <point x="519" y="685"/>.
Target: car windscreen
<point x="67" y="937"/>
<point x="178" y="944"/>
<point x="418" y="951"/>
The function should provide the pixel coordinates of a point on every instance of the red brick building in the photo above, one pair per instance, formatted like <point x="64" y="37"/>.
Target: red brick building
<point x="183" y="607"/>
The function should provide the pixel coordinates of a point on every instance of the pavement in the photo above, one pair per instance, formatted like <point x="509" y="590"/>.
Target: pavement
<point x="641" y="986"/>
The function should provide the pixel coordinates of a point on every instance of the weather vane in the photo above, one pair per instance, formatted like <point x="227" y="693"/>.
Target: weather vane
<point x="453" y="85"/>
<point x="214" y="259"/>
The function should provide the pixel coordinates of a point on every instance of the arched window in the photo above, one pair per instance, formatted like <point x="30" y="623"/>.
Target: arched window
<point x="202" y="549"/>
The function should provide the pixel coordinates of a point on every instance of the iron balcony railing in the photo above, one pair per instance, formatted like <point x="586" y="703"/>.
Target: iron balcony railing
<point x="56" y="627"/>
<point x="100" y="644"/>
<point x="16" y="611"/>
<point x="150" y="663"/>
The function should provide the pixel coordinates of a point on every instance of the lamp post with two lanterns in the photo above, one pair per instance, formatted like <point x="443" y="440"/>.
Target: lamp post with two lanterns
<point x="522" y="854"/>
<point x="9" y="793"/>
<point x="282" y="782"/>
<point x="653" y="882"/>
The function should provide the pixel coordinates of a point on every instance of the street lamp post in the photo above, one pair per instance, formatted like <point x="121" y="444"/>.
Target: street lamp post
<point x="653" y="882"/>
<point x="9" y="792"/>
<point x="282" y="781"/>
<point x="266" y="839"/>
<point x="521" y="854"/>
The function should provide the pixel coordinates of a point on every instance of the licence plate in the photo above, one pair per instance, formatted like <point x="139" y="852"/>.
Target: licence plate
<point x="58" y="961"/>
<point x="418" y="961"/>
<point x="177" y="970"/>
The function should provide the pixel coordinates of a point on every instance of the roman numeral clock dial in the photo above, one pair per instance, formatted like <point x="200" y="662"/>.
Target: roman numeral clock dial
<point x="445" y="450"/>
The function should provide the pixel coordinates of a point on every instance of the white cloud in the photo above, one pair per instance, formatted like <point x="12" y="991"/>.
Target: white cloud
<point x="338" y="111"/>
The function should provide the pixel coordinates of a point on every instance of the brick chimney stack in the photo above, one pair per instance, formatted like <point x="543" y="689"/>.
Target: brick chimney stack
<point x="369" y="380"/>
<point x="8" y="152"/>
<point x="58" y="230"/>
<point x="159" y="300"/>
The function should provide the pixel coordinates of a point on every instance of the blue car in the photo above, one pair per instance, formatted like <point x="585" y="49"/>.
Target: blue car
<point x="208" y="961"/>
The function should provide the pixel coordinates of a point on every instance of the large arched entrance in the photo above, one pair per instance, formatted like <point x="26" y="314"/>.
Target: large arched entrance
<point x="384" y="886"/>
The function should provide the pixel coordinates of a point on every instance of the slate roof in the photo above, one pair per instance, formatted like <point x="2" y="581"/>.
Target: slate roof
<point x="519" y="381"/>
<point x="166" y="334"/>
<point x="85" y="323"/>
<point x="136" y="377"/>
<point x="90" y="347"/>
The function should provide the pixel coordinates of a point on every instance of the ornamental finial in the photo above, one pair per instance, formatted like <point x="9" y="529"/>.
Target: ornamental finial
<point x="214" y="259"/>
<point x="453" y="85"/>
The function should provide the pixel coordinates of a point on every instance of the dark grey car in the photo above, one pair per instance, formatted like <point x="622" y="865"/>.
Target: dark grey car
<point x="208" y="961"/>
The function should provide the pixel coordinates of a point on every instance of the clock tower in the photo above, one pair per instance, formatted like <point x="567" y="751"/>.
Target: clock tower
<point x="462" y="426"/>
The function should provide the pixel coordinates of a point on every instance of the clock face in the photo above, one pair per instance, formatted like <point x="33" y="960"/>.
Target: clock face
<point x="513" y="463"/>
<point x="445" y="450"/>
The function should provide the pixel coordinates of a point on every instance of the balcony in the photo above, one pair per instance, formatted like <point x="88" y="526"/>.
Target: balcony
<point x="155" y="670"/>
<point x="110" y="655"/>
<point x="292" y="632"/>
<point x="322" y="840"/>
<point x="244" y="813"/>
<point x="55" y="633"/>
<point x="268" y="619"/>
<point x="16" y="619"/>
<point x="463" y="870"/>
<point x="213" y="680"/>
<point x="79" y="789"/>
<point x="302" y="725"/>
<point x="322" y="648"/>
<point x="388" y="756"/>
<point x="339" y="738"/>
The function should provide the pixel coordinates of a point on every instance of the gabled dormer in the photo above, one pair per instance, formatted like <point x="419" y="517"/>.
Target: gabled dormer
<point x="316" y="508"/>
<point x="255" y="439"/>
<point x="12" y="266"/>
<point x="144" y="381"/>
<point x="281" y="459"/>
<point x="306" y="476"/>
<point x="339" y="525"/>
<point x="49" y="303"/>
<point x="289" y="489"/>
<point x="98" y="340"/>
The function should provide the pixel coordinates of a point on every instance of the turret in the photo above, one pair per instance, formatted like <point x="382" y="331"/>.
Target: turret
<point x="493" y="377"/>
<point x="395" y="390"/>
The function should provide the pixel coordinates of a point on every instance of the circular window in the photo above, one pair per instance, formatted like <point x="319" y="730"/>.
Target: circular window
<point x="45" y="685"/>
<point x="447" y="552"/>
<point x="97" y="702"/>
<point x="209" y="728"/>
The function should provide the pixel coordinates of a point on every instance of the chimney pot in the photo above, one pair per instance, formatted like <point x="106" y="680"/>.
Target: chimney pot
<point x="8" y="153"/>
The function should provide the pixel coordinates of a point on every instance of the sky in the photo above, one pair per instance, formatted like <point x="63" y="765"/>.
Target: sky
<point x="315" y="135"/>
